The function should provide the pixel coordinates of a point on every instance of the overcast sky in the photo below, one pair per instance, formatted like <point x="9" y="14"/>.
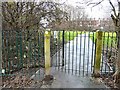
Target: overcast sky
<point x="100" y="11"/>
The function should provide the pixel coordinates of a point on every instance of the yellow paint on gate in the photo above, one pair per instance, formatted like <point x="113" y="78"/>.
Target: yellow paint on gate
<point x="98" y="51"/>
<point x="47" y="51"/>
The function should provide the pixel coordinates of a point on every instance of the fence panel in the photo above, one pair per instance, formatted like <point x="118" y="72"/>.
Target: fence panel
<point x="22" y="51"/>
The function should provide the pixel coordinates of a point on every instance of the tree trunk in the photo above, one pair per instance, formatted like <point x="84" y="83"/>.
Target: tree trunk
<point x="117" y="73"/>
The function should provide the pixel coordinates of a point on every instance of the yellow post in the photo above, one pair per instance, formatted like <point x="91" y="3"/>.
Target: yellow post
<point x="47" y="51"/>
<point x="98" y="52"/>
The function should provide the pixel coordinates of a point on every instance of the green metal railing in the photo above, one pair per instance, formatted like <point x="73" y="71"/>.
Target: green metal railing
<point x="22" y="49"/>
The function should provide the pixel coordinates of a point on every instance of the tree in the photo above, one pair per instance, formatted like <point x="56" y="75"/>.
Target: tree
<point x="26" y="15"/>
<point x="116" y="19"/>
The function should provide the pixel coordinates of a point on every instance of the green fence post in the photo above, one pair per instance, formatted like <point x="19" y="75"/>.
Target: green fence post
<point x="47" y="51"/>
<point x="21" y="52"/>
<point x="98" y="52"/>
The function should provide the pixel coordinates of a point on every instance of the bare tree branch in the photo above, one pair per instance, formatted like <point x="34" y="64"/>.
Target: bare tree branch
<point x="95" y="3"/>
<point x="113" y="8"/>
<point x="119" y="9"/>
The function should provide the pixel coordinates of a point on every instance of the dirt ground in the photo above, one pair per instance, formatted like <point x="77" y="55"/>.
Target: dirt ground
<point x="21" y="79"/>
<point x="109" y="82"/>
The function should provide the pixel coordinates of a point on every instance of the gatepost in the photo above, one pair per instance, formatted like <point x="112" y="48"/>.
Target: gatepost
<point x="98" y="52"/>
<point x="47" y="51"/>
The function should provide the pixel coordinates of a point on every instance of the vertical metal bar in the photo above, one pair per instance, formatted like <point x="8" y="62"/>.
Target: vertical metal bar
<point x="38" y="48"/>
<point x="95" y="39"/>
<point x="34" y="52"/>
<point x="76" y="51"/>
<point x="17" y="49"/>
<point x="63" y="48"/>
<point x="10" y="59"/>
<point x="88" y="52"/>
<point x="23" y="51"/>
<point x="43" y="40"/>
<point x="111" y="41"/>
<point x="42" y="46"/>
<point x="92" y="51"/>
<point x="115" y="38"/>
<point x="22" y="38"/>
<point x="51" y="47"/>
<point x="54" y="55"/>
<point x="108" y="54"/>
<point x="38" y="38"/>
<point x="104" y="52"/>
<point x="69" y="54"/>
<point x="5" y="49"/>
<point x="102" y="57"/>
<point x="59" y="46"/>
<point x="116" y="43"/>
<point x="56" y="48"/>
<point x="84" y="54"/>
<point x="109" y="48"/>
<point x="72" y="52"/>
<point x="30" y="48"/>
<point x="8" y="48"/>
<point x="103" y="48"/>
<point x="80" y="52"/>
<point x="21" y="54"/>
<point x="2" y="52"/>
<point x="67" y="50"/>
<point x="9" y="53"/>
<point x="67" y="45"/>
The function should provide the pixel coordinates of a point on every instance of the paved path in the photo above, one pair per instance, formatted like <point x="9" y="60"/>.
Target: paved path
<point x="64" y="80"/>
